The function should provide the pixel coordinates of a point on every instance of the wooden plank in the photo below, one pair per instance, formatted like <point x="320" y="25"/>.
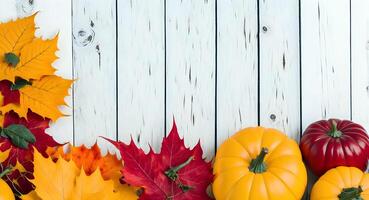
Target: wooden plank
<point x="325" y="60"/>
<point x="8" y="10"/>
<point x="325" y="54"/>
<point x="360" y="62"/>
<point x="237" y="80"/>
<point x="95" y="70"/>
<point x="53" y="18"/>
<point x="279" y="66"/>
<point x="141" y="72"/>
<point x="190" y="69"/>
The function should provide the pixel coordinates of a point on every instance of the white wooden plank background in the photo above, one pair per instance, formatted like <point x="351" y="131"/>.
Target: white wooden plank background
<point x="360" y="61"/>
<point x="141" y="72"/>
<point x="279" y="66"/>
<point x="237" y="57"/>
<point x="94" y="62"/>
<point x="214" y="65"/>
<point x="190" y="70"/>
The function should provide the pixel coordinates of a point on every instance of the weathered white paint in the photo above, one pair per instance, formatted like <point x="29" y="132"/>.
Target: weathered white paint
<point x="360" y="61"/>
<point x="279" y="66"/>
<point x="325" y="48"/>
<point x="141" y="72"/>
<point x="94" y="53"/>
<point x="237" y="83"/>
<point x="7" y="10"/>
<point x="190" y="71"/>
<point x="62" y="130"/>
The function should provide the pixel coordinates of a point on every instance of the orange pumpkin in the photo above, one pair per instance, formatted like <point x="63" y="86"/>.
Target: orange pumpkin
<point x="259" y="163"/>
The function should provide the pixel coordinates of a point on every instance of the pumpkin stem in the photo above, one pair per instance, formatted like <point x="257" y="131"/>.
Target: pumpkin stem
<point x="11" y="59"/>
<point x="5" y="172"/>
<point x="351" y="194"/>
<point x="257" y="164"/>
<point x="172" y="172"/>
<point x="334" y="132"/>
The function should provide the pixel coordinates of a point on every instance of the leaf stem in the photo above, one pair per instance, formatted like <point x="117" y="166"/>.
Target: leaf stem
<point x="5" y="172"/>
<point x="172" y="172"/>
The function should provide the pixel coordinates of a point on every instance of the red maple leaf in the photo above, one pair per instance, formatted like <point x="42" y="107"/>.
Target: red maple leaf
<point x="37" y="126"/>
<point x="10" y="96"/>
<point x="176" y="173"/>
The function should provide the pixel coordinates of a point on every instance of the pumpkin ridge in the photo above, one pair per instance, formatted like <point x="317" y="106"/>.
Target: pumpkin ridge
<point x="320" y="125"/>
<point x="275" y="149"/>
<point x="230" y="192"/>
<point x="344" y="151"/>
<point x="365" y="139"/>
<point x="285" y="185"/>
<point x="339" y="175"/>
<point x="242" y="146"/>
<point x="362" y="179"/>
<point x="225" y="171"/>
<point x="343" y="180"/>
<point x="270" y="149"/>
<point x="350" y="176"/>
<point x="285" y="169"/>
<point x="270" y="161"/>
<point x="345" y="125"/>
<point x="328" y="141"/>
<point x="265" y="185"/>
<point x="333" y="184"/>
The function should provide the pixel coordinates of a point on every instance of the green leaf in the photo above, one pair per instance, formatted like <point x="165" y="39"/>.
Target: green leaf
<point x="11" y="59"/>
<point x="19" y="135"/>
<point x="19" y="83"/>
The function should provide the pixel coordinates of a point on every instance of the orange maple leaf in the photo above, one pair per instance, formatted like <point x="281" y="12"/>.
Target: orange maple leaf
<point x="90" y="159"/>
<point x="21" y="54"/>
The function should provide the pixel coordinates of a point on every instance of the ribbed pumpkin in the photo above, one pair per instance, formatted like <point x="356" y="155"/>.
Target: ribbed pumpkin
<point x="342" y="183"/>
<point x="327" y="144"/>
<point x="259" y="163"/>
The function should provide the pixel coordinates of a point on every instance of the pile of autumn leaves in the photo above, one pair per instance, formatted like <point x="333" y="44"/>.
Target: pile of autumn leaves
<point x="41" y="168"/>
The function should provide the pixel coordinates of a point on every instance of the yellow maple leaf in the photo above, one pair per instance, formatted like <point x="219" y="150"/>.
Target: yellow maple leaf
<point x="21" y="54"/>
<point x="91" y="159"/>
<point x="43" y="97"/>
<point x="62" y="180"/>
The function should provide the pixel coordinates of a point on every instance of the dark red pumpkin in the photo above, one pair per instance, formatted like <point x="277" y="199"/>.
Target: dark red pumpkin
<point x="331" y="143"/>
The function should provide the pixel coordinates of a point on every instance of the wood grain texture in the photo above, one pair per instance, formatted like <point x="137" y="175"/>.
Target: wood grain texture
<point x="237" y="80"/>
<point x="325" y="48"/>
<point x="325" y="54"/>
<point x="360" y="61"/>
<point x="8" y="10"/>
<point x="279" y="66"/>
<point x="190" y="71"/>
<point x="94" y="64"/>
<point x="50" y="24"/>
<point x="141" y="72"/>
